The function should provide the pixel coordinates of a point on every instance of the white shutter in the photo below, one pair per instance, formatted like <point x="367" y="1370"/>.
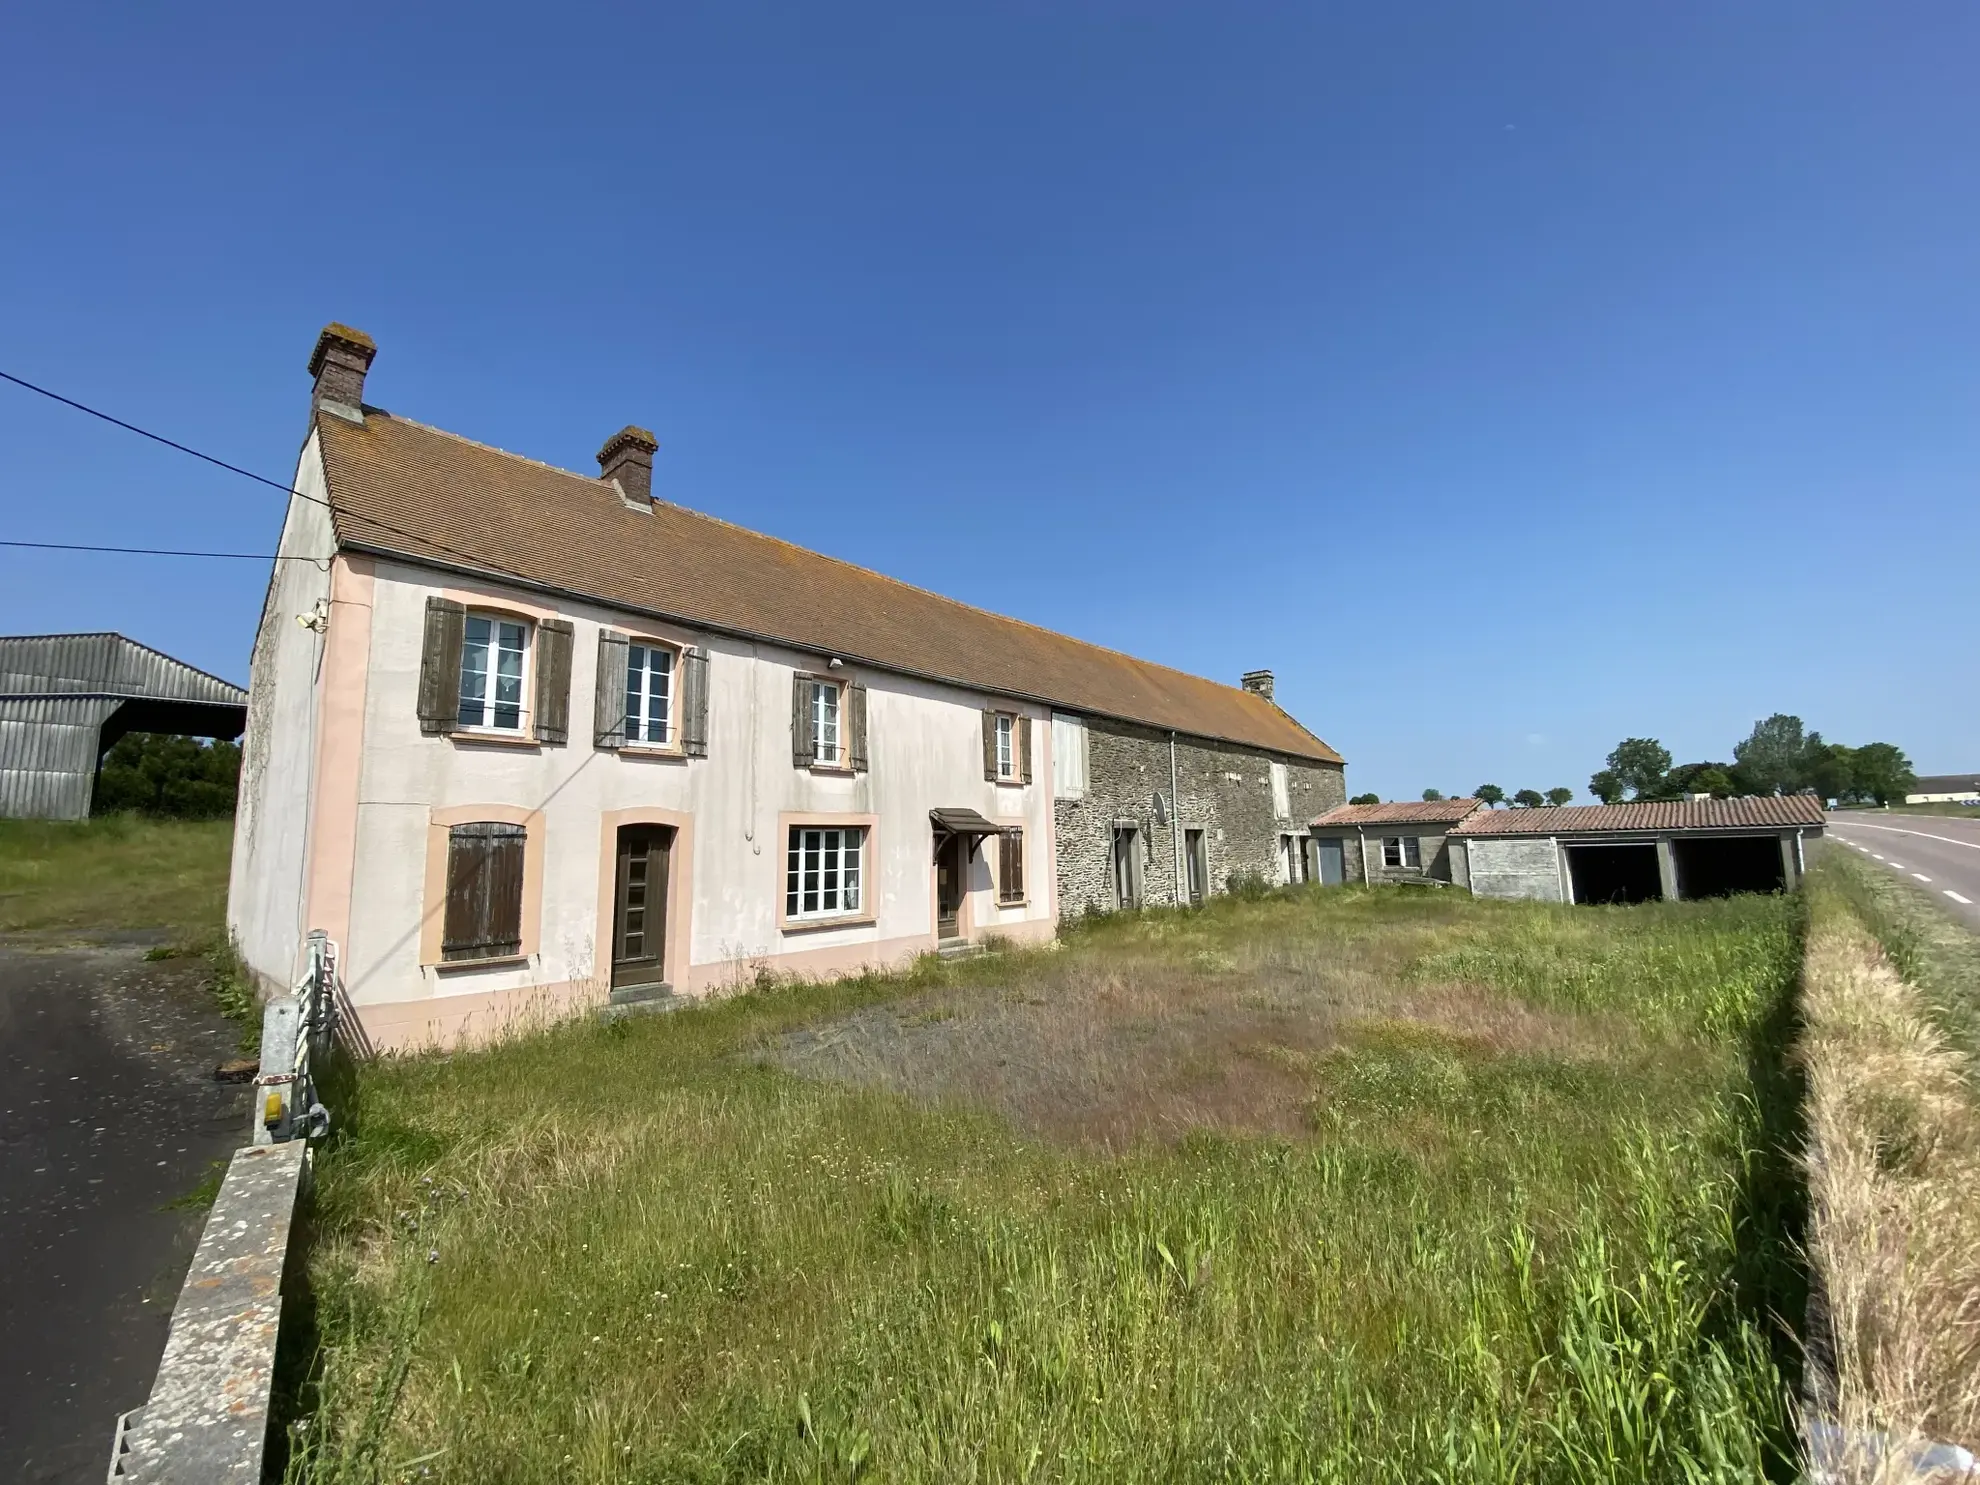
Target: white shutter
<point x="1068" y="757"/>
<point x="1281" y="794"/>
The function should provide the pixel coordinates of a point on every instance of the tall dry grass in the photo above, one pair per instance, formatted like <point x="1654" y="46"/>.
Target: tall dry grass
<point x="1894" y="1187"/>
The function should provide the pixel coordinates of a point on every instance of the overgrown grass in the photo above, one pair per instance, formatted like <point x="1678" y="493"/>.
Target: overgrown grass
<point x="1527" y="1225"/>
<point x="114" y="873"/>
<point x="1894" y="1178"/>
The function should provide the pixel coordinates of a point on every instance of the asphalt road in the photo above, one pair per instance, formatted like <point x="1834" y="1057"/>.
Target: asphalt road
<point x="108" y="1112"/>
<point x="1940" y="853"/>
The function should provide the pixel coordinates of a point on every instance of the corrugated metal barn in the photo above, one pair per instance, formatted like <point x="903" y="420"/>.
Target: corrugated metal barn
<point x="65" y="698"/>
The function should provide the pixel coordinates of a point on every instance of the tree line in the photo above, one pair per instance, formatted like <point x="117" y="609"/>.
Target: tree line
<point x="156" y="773"/>
<point x="1778" y="757"/>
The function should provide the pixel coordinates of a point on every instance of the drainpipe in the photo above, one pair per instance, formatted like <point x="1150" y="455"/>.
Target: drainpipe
<point x="1361" y="846"/>
<point x="1175" y="825"/>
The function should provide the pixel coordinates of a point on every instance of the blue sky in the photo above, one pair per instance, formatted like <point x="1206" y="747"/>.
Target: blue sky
<point x="1509" y="379"/>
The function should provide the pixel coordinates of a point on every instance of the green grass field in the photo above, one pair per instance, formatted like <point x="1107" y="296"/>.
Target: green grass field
<point x="1338" y="1185"/>
<point x="116" y="872"/>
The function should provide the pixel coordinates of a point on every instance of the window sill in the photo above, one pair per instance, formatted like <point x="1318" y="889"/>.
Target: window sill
<point x="807" y="925"/>
<point x="837" y="770"/>
<point x="477" y="736"/>
<point x="650" y="753"/>
<point x="505" y="961"/>
<point x="1014" y="902"/>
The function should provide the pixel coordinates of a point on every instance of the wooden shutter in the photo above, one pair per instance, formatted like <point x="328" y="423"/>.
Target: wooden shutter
<point x="1021" y="727"/>
<point x="990" y="745"/>
<point x="608" y="715"/>
<point x="553" y="681"/>
<point x="484" y="891"/>
<point x="440" y="666"/>
<point x="803" y="745"/>
<point x="856" y="727"/>
<point x="1010" y="866"/>
<point x="694" y="702"/>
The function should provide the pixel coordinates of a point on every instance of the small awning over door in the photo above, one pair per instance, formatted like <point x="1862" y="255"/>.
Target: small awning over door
<point x="968" y="824"/>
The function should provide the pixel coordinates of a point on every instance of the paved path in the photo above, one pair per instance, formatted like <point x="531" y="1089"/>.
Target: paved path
<point x="1938" y="852"/>
<point x="108" y="1112"/>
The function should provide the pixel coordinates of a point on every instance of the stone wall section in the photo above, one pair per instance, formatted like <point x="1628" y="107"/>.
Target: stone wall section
<point x="1225" y="791"/>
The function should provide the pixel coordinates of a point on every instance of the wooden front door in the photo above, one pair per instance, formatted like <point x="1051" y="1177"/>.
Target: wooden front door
<point x="639" y="920"/>
<point x="951" y="872"/>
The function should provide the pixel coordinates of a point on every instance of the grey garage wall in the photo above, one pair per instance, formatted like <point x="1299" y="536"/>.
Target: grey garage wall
<point x="1515" y="868"/>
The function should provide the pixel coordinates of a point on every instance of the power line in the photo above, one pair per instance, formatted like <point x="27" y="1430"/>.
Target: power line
<point x="71" y="546"/>
<point x="336" y="510"/>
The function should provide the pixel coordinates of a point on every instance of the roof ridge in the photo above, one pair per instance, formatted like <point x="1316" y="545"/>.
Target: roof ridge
<point x="702" y="515"/>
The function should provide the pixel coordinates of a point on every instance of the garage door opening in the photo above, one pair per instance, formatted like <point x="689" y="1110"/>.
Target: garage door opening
<point x="1614" y="873"/>
<point x="1719" y="868"/>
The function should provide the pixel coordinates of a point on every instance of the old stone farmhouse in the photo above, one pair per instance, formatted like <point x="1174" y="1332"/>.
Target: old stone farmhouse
<point x="523" y="740"/>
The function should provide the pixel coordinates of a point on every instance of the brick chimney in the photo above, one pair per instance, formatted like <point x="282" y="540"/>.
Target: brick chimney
<point x="628" y="458"/>
<point x="339" y="362"/>
<point x="1259" y="682"/>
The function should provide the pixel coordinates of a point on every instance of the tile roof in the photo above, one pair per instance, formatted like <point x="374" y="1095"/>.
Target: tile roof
<point x="1408" y="812"/>
<point x="400" y="487"/>
<point x="1769" y="813"/>
<point x="1947" y="783"/>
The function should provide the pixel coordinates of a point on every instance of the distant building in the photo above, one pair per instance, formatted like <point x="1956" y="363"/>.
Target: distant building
<point x="1946" y="788"/>
<point x="1406" y="842"/>
<point x="65" y="698"/>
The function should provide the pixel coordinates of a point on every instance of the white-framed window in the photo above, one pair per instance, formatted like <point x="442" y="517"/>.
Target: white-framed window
<point x="1401" y="851"/>
<point x="494" y="650"/>
<point x="1007" y="759"/>
<point x="822" y="871"/>
<point x="649" y="695"/>
<point x="825" y="746"/>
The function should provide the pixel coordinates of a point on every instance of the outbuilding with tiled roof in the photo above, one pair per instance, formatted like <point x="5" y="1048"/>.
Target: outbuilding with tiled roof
<point x="1400" y="842"/>
<point x="1639" y="851"/>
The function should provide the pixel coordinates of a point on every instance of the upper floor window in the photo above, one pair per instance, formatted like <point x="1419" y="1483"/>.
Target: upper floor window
<point x="474" y="666"/>
<point x="828" y="723"/>
<point x="493" y="650"/>
<point x="825" y="722"/>
<point x="1006" y="747"/>
<point x="649" y="694"/>
<point x="1281" y="791"/>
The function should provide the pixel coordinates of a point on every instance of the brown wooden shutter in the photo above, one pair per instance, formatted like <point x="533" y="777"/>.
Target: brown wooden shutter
<point x="803" y="746"/>
<point x="1010" y="866"/>
<point x="553" y="681"/>
<point x="856" y="727"/>
<point x="440" y="666"/>
<point x="1022" y="727"/>
<point x="990" y="745"/>
<point x="608" y="716"/>
<point x="484" y="891"/>
<point x="694" y="702"/>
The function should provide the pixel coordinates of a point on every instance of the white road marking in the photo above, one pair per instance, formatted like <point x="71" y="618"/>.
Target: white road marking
<point x="1922" y="877"/>
<point x="1895" y="865"/>
<point x="1967" y="901"/>
<point x="1875" y="857"/>
<point x="1951" y="840"/>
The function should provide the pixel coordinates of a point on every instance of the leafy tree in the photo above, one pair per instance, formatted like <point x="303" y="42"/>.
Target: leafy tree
<point x="1640" y="763"/>
<point x="1366" y="799"/>
<point x="1715" y="779"/>
<point x="1529" y="799"/>
<point x="1778" y="757"/>
<point x="159" y="774"/>
<point x="1492" y="794"/>
<point x="1559" y="797"/>
<point x="1882" y="772"/>
<point x="1830" y="771"/>
<point x="1432" y="794"/>
<point x="1606" y="787"/>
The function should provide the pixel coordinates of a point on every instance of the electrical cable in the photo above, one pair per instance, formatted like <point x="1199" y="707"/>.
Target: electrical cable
<point x="479" y="562"/>
<point x="74" y="546"/>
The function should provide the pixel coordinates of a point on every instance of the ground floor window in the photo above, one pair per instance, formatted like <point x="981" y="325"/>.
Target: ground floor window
<point x="484" y="891"/>
<point x="1402" y="851"/>
<point x="1010" y="865"/>
<point x="822" y="871"/>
